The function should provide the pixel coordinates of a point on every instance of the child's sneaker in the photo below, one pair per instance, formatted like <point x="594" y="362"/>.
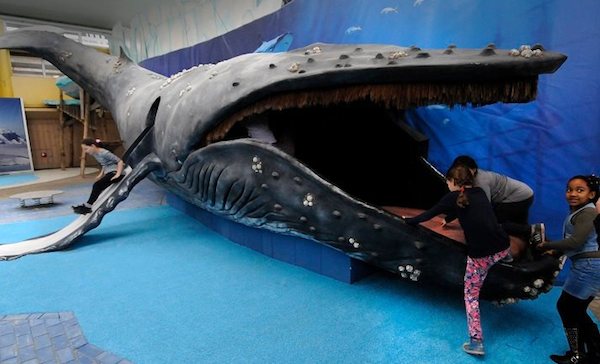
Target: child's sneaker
<point x="81" y="209"/>
<point x="538" y="234"/>
<point x="474" y="347"/>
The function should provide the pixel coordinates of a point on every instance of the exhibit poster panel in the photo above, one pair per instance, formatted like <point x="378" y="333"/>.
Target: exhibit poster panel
<point x="15" y="152"/>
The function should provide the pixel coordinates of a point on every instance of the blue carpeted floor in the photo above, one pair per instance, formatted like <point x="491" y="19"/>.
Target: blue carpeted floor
<point x="154" y="286"/>
<point x="16" y="179"/>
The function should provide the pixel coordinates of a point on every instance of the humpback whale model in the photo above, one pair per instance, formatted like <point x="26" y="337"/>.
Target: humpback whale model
<point x="353" y="158"/>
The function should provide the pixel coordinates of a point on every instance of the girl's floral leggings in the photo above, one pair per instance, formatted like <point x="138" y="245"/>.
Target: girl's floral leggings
<point x="477" y="270"/>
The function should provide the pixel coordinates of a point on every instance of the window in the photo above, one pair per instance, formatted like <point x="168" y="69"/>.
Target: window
<point x="25" y="65"/>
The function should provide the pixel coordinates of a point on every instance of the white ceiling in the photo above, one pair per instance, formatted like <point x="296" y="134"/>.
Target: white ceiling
<point x="101" y="14"/>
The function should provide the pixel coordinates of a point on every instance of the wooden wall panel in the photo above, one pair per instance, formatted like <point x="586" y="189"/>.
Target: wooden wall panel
<point x="45" y="132"/>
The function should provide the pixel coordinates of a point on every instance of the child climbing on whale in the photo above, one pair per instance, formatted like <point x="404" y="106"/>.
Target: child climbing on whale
<point x="487" y="243"/>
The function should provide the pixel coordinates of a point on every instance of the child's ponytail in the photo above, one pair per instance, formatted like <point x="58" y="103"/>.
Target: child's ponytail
<point x="461" y="176"/>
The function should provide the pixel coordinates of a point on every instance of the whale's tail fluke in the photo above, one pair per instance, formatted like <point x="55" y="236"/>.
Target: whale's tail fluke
<point x="105" y="77"/>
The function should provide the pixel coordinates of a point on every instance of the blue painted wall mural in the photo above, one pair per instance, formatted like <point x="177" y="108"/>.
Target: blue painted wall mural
<point x="542" y="143"/>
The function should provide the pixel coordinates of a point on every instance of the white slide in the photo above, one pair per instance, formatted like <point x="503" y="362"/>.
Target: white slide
<point x="41" y="244"/>
<point x="50" y="242"/>
<point x="107" y="201"/>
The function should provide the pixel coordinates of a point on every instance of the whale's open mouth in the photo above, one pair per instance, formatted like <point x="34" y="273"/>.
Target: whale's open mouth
<point x="357" y="141"/>
<point x="363" y="148"/>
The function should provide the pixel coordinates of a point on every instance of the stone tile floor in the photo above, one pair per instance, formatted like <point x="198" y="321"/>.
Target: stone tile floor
<point x="48" y="337"/>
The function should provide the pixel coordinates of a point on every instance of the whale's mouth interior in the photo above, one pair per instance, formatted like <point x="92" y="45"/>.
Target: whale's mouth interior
<point x="365" y="149"/>
<point x="354" y="136"/>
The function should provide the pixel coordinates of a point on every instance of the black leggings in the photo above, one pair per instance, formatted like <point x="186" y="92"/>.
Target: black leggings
<point x="101" y="184"/>
<point x="573" y="311"/>
<point x="514" y="217"/>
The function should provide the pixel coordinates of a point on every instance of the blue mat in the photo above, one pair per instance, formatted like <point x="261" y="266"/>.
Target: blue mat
<point x="16" y="179"/>
<point x="154" y="286"/>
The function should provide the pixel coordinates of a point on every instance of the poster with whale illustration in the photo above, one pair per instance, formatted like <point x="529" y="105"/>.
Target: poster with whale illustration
<point x="15" y="151"/>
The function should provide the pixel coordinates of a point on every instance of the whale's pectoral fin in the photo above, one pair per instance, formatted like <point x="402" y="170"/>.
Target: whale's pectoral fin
<point x="107" y="201"/>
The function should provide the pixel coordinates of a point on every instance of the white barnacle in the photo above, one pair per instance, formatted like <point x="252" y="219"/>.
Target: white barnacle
<point x="526" y="53"/>
<point x="131" y="91"/>
<point x="313" y="50"/>
<point x="537" y="53"/>
<point x="538" y="283"/>
<point x="514" y="52"/>
<point x="256" y="164"/>
<point x="398" y="54"/>
<point x="356" y="245"/>
<point x="409" y="268"/>
<point x="308" y="200"/>
<point x="527" y="289"/>
<point x="294" y="67"/>
<point x="401" y="268"/>
<point x="351" y="240"/>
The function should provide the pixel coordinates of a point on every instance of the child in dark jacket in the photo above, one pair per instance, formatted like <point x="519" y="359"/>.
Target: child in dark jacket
<point x="487" y="243"/>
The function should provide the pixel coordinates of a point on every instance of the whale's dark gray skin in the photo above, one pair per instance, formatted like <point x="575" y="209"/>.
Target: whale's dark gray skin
<point x="339" y="107"/>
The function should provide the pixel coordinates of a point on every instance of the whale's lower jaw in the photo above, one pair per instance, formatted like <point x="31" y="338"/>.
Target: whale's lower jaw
<point x="256" y="184"/>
